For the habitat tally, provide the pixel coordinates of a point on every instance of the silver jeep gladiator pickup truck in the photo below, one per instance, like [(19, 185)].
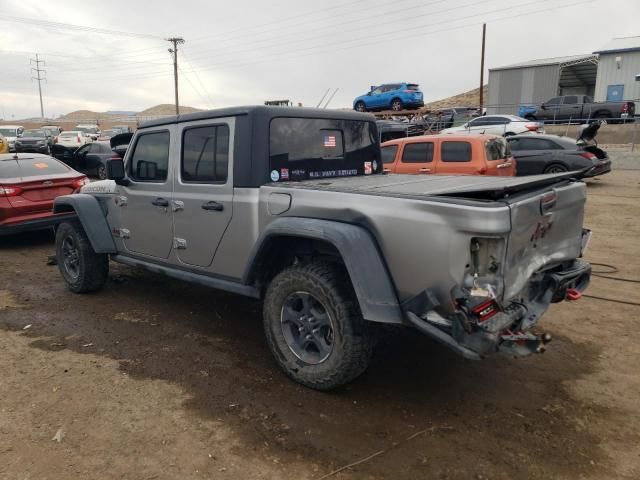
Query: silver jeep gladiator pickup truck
[(291, 205)]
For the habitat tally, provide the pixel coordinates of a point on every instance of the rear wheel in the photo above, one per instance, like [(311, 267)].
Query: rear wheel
[(314, 327), (102, 172), (556, 168), (360, 107), (509, 134), (82, 268), (396, 105)]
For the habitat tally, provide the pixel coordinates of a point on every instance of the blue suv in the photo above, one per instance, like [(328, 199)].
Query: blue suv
[(390, 96)]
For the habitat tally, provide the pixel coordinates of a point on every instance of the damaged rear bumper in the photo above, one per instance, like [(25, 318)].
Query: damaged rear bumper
[(481, 326)]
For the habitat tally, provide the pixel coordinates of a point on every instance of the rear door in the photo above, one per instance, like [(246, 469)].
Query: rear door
[(203, 191), (145, 203), (417, 158), (532, 154), (456, 158), (571, 108)]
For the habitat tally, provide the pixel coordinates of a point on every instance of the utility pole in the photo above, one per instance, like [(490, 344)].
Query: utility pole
[(176, 41), (39, 71), (484, 33)]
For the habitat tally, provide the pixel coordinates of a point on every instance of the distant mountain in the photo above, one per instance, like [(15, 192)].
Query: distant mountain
[(113, 115), (167, 109), (466, 99)]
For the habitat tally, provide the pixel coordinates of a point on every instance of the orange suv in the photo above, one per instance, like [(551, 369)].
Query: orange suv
[(449, 155)]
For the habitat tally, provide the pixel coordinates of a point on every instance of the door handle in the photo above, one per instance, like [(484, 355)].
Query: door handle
[(425, 169), (160, 202), (504, 165), (218, 207)]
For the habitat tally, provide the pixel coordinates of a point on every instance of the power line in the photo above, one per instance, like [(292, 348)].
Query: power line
[(197, 78), (70, 26), (38, 77)]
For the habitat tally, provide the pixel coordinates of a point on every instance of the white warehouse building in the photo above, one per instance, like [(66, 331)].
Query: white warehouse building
[(612, 73)]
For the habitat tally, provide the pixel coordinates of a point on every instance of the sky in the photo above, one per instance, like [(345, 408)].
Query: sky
[(114, 55)]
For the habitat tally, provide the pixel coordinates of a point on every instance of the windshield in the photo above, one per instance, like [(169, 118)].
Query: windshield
[(34, 133), (8, 132)]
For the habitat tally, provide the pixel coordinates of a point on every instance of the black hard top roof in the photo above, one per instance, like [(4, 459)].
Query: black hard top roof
[(263, 111)]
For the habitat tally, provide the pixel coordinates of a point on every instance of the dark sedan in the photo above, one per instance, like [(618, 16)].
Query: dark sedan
[(540, 153), (35, 141)]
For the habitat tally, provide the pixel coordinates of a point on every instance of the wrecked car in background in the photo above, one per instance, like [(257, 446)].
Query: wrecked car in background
[(291, 206)]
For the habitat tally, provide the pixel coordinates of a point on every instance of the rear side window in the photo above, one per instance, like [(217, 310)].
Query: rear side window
[(456, 151), (150, 159), (418, 153), (413, 86), (303, 148), (31, 167), (389, 153), (570, 100), (205, 154)]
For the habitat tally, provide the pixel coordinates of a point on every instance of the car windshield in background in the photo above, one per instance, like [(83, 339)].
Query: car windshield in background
[(497, 149), (69, 134), (87, 129), (303, 148), (31, 167), (8, 132), (34, 133)]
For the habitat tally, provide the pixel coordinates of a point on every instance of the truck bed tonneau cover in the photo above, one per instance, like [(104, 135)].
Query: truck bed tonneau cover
[(399, 185)]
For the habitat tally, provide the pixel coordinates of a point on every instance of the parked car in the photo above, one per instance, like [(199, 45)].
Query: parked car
[(581, 108), (391, 96), (553, 154), (449, 155), (107, 134), (29, 182), (390, 129), (91, 159), (4, 144), (454, 116), (34, 140), (504, 125), (72, 138), (309, 223), (11, 133), (91, 131), (122, 128), (54, 129)]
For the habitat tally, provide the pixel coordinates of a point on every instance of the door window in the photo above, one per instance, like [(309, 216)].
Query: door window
[(554, 101), (150, 158), (389, 153), (418, 153), (205, 154), (537, 144), (456, 151), (570, 100)]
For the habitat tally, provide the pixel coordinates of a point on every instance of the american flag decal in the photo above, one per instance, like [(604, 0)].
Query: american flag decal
[(329, 140)]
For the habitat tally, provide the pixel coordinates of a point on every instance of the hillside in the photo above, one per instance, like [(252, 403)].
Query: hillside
[(470, 98), (166, 109)]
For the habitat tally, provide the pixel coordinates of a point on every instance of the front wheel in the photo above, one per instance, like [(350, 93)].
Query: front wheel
[(102, 172), (360, 107), (81, 267), (314, 327)]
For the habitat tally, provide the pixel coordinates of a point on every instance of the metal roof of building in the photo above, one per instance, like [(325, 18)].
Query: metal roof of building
[(549, 61), (622, 44)]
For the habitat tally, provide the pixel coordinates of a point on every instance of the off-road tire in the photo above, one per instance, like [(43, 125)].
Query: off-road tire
[(92, 267), (352, 343)]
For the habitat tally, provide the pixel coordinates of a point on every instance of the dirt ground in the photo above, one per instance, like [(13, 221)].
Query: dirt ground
[(156, 379)]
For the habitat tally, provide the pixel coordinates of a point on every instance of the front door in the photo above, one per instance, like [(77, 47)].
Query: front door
[(203, 190), (416, 158), (570, 108), (145, 202)]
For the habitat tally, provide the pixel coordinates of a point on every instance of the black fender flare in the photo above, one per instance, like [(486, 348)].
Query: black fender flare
[(92, 218), (368, 272)]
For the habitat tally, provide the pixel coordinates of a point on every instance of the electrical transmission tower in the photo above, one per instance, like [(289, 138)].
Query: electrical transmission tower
[(176, 41), (38, 76)]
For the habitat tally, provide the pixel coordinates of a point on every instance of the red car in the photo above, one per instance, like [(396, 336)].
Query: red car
[(29, 182)]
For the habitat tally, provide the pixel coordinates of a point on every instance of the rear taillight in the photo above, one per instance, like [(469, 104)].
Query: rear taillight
[(80, 182), (625, 108), (486, 310), (115, 156), (588, 156), (532, 127), (78, 138), (9, 191)]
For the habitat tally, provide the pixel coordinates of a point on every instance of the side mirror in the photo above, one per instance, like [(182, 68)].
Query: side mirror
[(116, 172), (543, 106)]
